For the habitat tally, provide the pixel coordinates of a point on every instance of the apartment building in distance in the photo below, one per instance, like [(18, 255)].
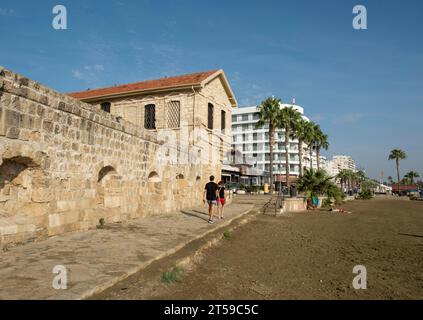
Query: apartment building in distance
[(252, 144), (338, 163)]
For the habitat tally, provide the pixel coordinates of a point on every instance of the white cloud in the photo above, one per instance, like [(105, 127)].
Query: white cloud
[(77, 74), (318, 118), (6, 12), (94, 68), (349, 118), (88, 73)]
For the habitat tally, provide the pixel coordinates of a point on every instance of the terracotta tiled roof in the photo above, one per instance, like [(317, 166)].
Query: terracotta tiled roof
[(163, 83)]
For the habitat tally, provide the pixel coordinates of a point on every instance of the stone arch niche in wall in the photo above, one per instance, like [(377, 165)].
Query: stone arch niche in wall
[(104, 172), (152, 194), (154, 183), (23, 182), (14, 186), (109, 188), (198, 188), (182, 192), (154, 177), (180, 177)]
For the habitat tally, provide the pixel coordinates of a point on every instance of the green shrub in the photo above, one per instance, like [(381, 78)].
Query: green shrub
[(228, 234), (173, 275), (327, 203), (365, 195)]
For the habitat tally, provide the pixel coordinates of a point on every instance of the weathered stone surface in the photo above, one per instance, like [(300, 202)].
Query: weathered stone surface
[(65, 164)]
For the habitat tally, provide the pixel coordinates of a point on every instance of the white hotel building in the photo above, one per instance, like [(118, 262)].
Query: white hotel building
[(339, 163), (253, 144)]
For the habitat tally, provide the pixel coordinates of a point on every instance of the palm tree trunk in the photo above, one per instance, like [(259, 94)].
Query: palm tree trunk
[(300, 153), (271, 138), (287, 159), (398, 174), (318, 157)]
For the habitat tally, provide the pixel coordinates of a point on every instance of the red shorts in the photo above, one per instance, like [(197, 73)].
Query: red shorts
[(222, 201)]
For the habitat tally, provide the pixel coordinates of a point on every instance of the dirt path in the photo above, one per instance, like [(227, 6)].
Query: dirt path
[(306, 256)]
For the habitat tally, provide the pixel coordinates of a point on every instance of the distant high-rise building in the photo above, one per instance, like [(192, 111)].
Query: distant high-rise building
[(253, 144), (338, 163)]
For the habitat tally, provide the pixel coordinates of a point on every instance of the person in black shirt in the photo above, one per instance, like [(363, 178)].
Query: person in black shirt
[(221, 199), (211, 194)]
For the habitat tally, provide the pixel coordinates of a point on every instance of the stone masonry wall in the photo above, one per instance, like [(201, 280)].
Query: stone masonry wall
[(64, 165)]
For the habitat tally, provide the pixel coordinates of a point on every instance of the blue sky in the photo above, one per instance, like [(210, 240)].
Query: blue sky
[(365, 88)]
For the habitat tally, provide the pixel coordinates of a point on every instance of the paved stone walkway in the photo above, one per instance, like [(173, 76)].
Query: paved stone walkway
[(96, 259)]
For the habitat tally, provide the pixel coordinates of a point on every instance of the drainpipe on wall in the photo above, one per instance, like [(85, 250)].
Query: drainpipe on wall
[(193, 116)]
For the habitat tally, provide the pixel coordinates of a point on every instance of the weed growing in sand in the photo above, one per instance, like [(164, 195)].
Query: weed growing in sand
[(173, 275), (228, 235)]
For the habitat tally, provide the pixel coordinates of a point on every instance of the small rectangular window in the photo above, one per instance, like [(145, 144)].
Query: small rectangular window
[(223, 120), (174, 114), (210, 116), (106, 106), (150, 116)]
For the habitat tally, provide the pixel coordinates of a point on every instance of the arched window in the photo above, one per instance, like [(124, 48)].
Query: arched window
[(180, 176), (150, 116), (106, 106)]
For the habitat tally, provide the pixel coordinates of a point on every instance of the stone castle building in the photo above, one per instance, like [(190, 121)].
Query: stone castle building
[(67, 161)]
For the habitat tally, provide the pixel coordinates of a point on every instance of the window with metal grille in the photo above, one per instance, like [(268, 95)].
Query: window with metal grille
[(150, 116), (223, 120), (106, 106), (210, 116), (173, 114)]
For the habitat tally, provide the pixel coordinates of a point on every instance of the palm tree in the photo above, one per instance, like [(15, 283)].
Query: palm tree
[(397, 155), (288, 119), (351, 179), (316, 183), (300, 133), (320, 142), (405, 181), (309, 139), (361, 177), (411, 175), (269, 111), (343, 176)]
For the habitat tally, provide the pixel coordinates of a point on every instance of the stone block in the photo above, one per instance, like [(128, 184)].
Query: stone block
[(112, 201), (12, 133), (65, 205), (7, 227), (42, 195)]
